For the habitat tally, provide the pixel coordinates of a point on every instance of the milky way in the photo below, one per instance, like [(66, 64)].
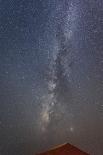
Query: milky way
[(60, 61), (51, 75)]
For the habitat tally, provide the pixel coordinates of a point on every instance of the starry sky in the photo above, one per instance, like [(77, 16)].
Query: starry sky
[(51, 75)]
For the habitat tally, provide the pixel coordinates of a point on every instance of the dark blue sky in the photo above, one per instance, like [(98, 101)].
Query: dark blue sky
[(51, 75)]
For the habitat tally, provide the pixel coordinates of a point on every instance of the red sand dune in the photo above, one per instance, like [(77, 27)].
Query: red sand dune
[(65, 149)]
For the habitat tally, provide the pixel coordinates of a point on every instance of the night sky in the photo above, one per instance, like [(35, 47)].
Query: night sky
[(51, 75)]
